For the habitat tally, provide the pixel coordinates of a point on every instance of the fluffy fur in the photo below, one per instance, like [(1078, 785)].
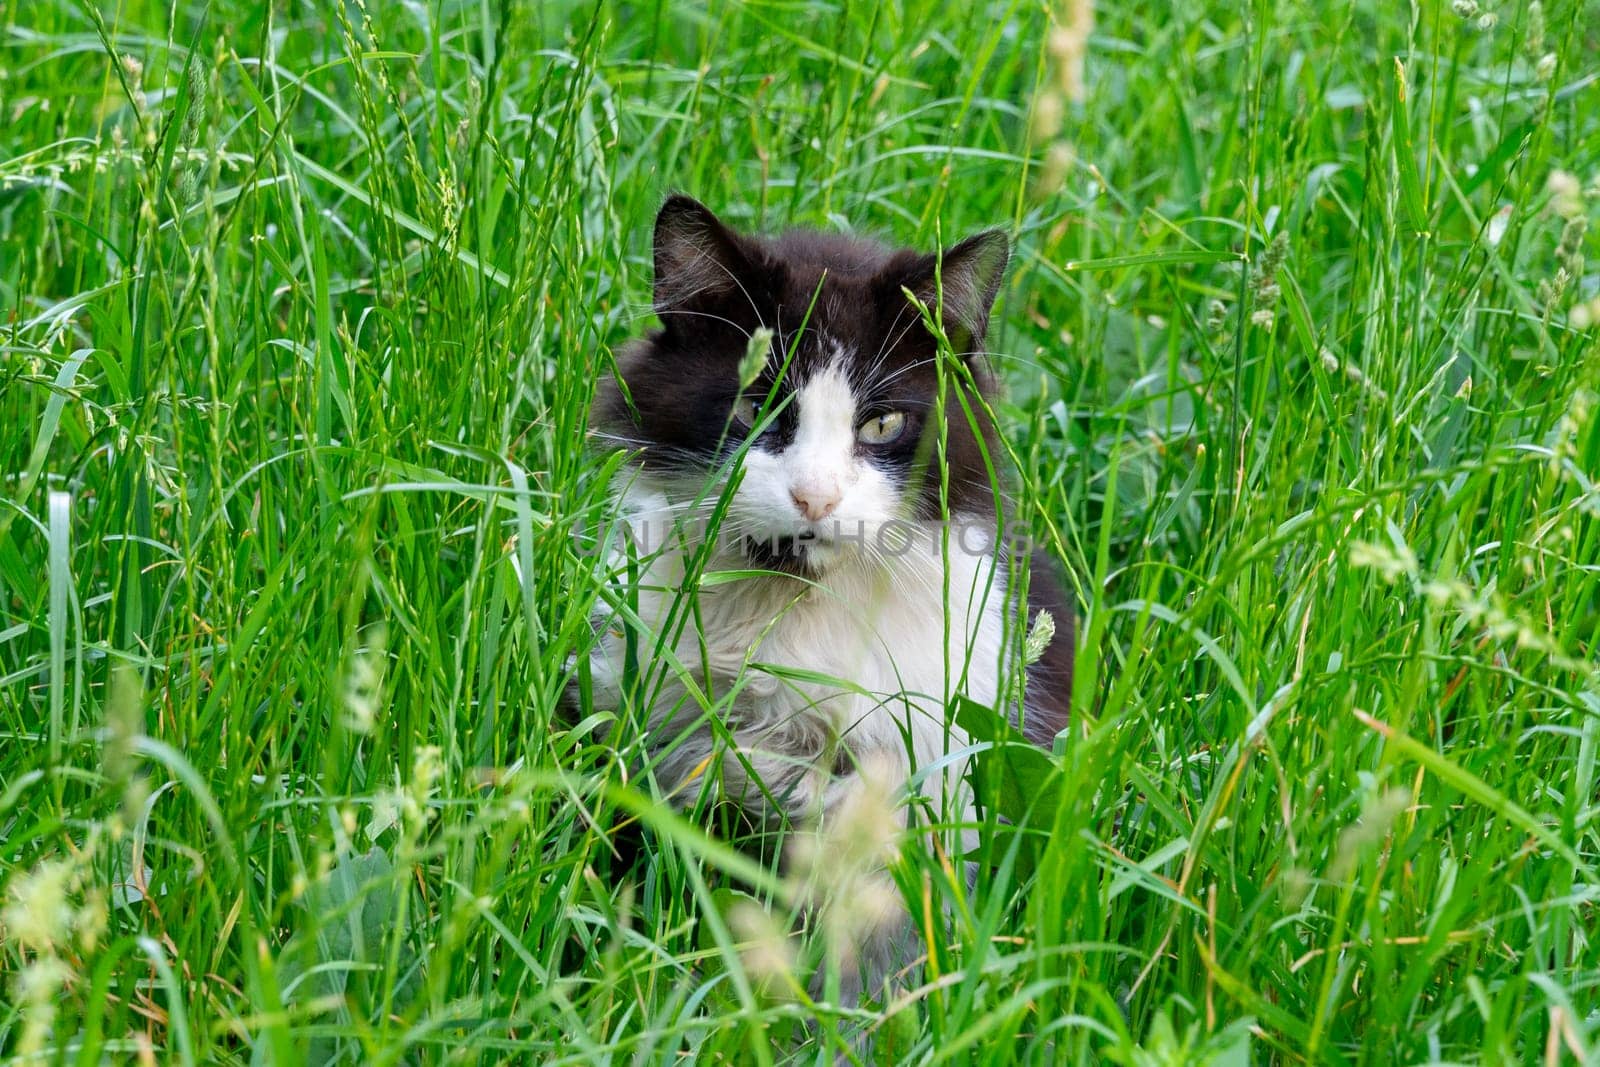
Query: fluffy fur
[(823, 468)]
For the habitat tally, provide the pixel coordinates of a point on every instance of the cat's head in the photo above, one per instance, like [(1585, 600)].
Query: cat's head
[(843, 411)]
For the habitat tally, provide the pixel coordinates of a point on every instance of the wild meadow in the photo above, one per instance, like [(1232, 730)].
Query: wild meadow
[(303, 304)]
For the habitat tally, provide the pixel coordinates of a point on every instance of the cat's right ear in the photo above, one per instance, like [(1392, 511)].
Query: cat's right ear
[(965, 279), (697, 258)]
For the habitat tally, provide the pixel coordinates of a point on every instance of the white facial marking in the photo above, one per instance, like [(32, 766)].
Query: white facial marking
[(821, 459), (815, 486)]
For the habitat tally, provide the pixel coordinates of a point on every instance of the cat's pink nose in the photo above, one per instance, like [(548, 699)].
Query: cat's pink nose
[(814, 502)]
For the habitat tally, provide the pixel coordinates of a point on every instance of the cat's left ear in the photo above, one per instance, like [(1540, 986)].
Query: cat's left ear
[(967, 277), (697, 259)]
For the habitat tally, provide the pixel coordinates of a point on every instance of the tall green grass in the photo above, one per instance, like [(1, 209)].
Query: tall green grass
[(302, 306)]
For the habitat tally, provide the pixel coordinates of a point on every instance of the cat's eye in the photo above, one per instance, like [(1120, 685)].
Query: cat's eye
[(744, 412), (882, 429)]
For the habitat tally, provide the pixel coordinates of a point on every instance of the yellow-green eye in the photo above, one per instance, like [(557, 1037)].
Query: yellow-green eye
[(882, 429), (744, 412)]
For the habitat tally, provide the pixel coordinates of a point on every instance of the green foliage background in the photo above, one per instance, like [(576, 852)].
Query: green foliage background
[(302, 305)]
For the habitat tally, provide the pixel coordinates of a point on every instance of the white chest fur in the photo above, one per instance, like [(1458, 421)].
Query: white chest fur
[(800, 683)]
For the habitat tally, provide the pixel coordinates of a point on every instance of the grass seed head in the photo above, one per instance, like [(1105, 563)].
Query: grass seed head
[(1566, 195), (765, 949), (36, 988), (1039, 637)]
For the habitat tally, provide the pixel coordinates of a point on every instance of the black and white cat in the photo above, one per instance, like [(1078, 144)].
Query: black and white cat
[(818, 461)]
